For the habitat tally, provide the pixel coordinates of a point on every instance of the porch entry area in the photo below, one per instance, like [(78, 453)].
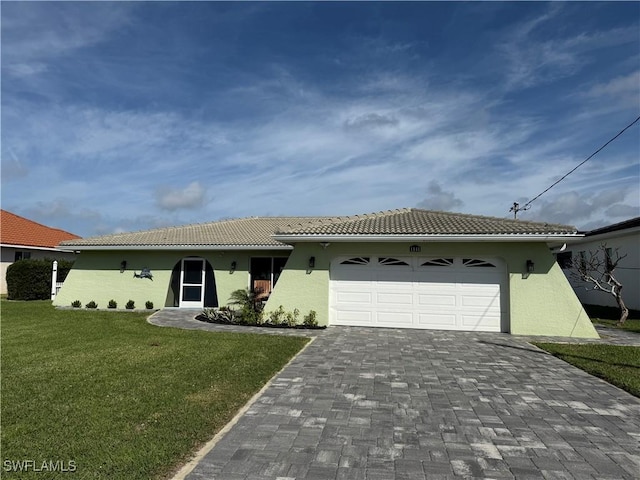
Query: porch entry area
[(264, 273), (192, 284)]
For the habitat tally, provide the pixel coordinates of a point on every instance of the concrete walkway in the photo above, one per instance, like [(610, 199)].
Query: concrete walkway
[(366, 403)]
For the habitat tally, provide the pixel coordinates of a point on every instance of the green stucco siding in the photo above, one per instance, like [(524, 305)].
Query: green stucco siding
[(540, 303), (96, 276)]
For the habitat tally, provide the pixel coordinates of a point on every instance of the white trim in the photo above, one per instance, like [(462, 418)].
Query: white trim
[(30, 247), (180, 247), (515, 237), (192, 304)]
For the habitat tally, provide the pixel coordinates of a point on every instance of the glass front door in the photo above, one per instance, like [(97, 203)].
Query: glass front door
[(192, 283)]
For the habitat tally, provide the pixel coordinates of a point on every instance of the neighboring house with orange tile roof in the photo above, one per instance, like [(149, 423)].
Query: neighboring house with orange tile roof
[(23, 238)]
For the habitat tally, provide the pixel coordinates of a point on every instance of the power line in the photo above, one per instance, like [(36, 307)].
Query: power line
[(516, 207)]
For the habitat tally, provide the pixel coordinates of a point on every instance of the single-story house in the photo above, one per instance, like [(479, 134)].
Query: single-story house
[(623, 237), (407, 268), (21, 238)]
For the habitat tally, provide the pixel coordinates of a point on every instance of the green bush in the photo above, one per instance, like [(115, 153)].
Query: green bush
[(130, 305), (277, 316), (91, 304), (250, 306), (310, 319), (76, 304), (149, 305), (113, 304), (30, 279), (220, 315)]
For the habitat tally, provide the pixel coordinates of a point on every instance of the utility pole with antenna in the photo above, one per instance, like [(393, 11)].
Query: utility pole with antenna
[(516, 208)]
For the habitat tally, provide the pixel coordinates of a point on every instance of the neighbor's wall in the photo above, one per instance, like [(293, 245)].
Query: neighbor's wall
[(542, 303), (96, 276), (627, 272), (8, 254)]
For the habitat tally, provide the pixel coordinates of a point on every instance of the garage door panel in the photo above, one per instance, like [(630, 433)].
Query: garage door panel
[(394, 319), (436, 321), (353, 317), (392, 299), (485, 323), (432, 300), (354, 298), (448, 297)]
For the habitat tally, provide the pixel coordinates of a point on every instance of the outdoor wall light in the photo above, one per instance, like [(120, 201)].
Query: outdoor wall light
[(234, 264), (530, 266), (324, 245), (123, 266), (312, 262)]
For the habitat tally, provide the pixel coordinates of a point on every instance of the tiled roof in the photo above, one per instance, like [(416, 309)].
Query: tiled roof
[(254, 231), (413, 221), (260, 231), (17, 230)]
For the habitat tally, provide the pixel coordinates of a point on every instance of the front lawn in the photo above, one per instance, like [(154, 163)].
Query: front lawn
[(631, 325), (116, 396), (619, 365)]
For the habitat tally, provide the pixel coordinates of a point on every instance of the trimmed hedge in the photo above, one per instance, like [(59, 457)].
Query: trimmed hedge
[(30, 279)]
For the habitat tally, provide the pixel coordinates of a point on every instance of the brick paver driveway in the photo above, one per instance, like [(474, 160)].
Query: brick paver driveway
[(363, 403)]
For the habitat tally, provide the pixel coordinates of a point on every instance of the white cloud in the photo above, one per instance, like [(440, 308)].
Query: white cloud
[(438, 199), (624, 88), (192, 196)]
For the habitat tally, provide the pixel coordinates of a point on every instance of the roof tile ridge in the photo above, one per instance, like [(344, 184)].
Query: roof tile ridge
[(489, 217)]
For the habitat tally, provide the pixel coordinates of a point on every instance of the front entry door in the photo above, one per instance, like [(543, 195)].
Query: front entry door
[(192, 283)]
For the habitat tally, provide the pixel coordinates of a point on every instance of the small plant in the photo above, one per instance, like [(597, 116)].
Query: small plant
[(76, 304), (130, 305), (91, 304), (220, 315), (291, 318), (310, 319), (149, 305), (276, 317), (250, 305), (113, 304)]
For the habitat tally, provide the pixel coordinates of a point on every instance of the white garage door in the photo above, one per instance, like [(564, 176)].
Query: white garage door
[(435, 293)]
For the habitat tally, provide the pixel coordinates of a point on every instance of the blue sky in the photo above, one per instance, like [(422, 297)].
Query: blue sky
[(128, 116)]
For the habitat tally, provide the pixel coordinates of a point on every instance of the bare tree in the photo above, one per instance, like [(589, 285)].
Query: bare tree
[(596, 268)]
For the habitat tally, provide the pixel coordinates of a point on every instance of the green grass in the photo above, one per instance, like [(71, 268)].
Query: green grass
[(631, 325), (618, 365), (119, 397)]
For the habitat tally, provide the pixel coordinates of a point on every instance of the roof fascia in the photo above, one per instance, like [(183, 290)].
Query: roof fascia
[(565, 238), (615, 233), (178, 247), (31, 247)]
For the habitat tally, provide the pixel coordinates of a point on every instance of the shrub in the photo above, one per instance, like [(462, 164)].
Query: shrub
[(310, 319), (76, 304), (113, 304), (276, 317), (220, 315), (250, 306), (291, 318), (130, 305), (30, 279), (91, 304), (149, 305)]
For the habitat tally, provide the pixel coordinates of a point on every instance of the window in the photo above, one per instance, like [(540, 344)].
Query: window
[(438, 262), (564, 259), (265, 272), (474, 262), (22, 256), (356, 261), (392, 261)]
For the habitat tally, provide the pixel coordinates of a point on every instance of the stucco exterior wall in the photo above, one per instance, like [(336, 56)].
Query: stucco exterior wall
[(8, 255), (627, 272), (96, 276), (541, 303)]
